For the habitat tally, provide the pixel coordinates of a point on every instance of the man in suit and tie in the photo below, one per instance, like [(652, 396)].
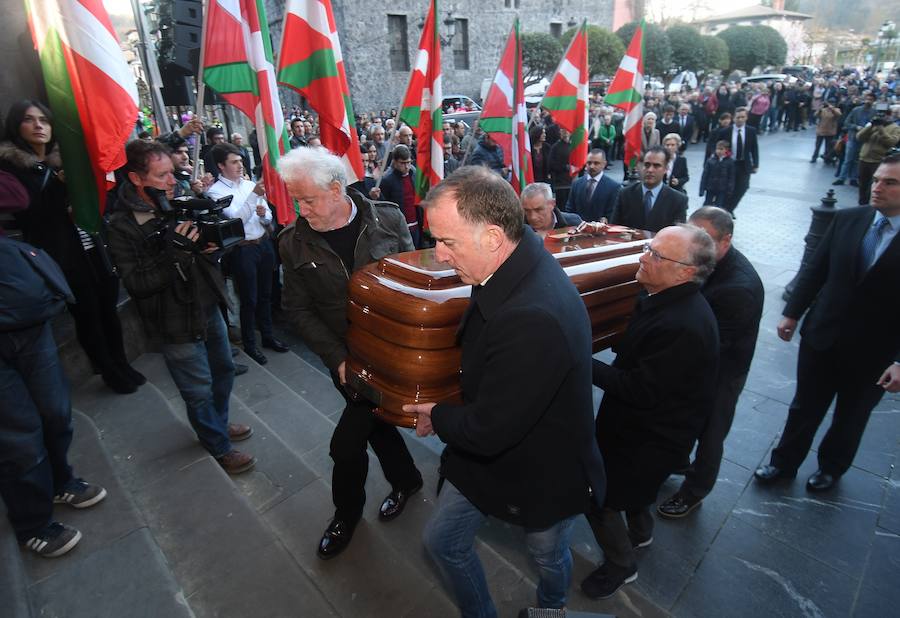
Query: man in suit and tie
[(650, 204), (685, 122), (593, 195), (850, 346), (744, 151)]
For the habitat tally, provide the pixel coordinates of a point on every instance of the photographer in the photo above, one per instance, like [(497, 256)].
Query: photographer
[(176, 286), (829, 120), (877, 137)]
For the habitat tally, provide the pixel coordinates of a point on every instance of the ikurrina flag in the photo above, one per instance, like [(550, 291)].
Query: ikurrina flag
[(92, 94), (421, 108), (238, 64), (567, 98), (504, 116), (312, 64), (625, 92)]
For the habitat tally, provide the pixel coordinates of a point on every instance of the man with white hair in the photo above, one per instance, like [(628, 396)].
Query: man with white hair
[(541, 212), (336, 234)]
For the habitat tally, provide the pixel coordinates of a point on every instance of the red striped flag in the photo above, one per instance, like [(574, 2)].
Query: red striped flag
[(626, 92), (238, 64), (92, 94), (312, 64), (567, 98), (504, 116), (421, 108)]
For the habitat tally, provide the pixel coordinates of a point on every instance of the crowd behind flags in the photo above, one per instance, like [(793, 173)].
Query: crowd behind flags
[(94, 98)]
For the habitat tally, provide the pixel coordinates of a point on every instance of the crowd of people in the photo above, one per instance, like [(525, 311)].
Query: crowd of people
[(531, 452)]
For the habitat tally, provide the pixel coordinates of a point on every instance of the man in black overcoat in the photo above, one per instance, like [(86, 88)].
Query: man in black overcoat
[(657, 395), (519, 446), (650, 204), (850, 346), (735, 295)]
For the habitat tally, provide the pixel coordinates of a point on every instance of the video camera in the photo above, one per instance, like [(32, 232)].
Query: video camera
[(879, 120), (204, 212)]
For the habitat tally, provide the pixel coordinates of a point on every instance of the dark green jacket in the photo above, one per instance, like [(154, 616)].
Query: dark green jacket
[(173, 289), (314, 297)]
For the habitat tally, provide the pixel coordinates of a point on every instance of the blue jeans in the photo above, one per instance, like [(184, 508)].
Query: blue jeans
[(204, 374), (35, 427), (851, 160), (449, 538)]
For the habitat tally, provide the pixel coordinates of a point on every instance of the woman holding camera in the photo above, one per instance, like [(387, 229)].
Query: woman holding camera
[(31, 155)]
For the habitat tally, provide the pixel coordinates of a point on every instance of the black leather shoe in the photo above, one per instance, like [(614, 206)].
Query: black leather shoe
[(335, 540), (395, 502), (256, 355), (274, 344), (770, 474), (821, 481), (240, 369)]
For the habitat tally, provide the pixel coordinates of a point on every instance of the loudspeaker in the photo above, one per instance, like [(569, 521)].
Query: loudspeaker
[(180, 35), (177, 88), (188, 12)]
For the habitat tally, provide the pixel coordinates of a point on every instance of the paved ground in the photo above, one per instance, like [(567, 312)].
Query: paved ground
[(177, 537)]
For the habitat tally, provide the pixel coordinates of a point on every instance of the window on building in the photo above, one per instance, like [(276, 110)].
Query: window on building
[(507, 3), (516, 3), (399, 51), (556, 30), (461, 45)]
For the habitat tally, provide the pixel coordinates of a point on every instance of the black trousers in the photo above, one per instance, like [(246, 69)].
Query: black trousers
[(741, 184), (828, 141), (866, 172), (822, 376), (357, 428), (702, 474), (612, 533), (252, 266), (97, 324)]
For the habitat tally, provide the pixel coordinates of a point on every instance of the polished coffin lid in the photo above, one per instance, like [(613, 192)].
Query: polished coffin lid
[(404, 312)]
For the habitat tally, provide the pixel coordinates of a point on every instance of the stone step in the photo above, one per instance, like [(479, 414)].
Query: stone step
[(98, 577), (224, 556)]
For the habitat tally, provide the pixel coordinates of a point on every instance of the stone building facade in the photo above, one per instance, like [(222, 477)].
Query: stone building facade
[(379, 39)]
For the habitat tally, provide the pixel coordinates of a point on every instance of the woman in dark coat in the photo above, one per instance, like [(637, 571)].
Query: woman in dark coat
[(540, 153), (676, 170), (30, 154)]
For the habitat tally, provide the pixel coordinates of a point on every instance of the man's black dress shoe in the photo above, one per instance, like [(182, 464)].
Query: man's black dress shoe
[(770, 474), (256, 355), (335, 540), (821, 481), (240, 369), (274, 344), (395, 502)]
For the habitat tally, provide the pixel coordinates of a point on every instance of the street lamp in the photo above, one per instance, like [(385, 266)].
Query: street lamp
[(449, 27)]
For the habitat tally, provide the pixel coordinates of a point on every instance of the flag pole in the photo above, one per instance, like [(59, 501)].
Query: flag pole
[(201, 89)]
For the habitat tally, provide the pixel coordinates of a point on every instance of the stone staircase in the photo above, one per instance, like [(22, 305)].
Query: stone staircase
[(179, 537)]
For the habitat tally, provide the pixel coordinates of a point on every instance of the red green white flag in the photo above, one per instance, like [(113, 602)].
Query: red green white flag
[(238, 64), (311, 63), (92, 94), (626, 93), (567, 98), (504, 116), (421, 108)]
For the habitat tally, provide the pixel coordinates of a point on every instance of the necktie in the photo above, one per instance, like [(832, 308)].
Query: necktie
[(648, 203), (870, 243), (740, 146), (592, 184)]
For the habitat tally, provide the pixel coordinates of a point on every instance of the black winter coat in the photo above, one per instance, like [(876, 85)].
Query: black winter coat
[(718, 176), (657, 394)]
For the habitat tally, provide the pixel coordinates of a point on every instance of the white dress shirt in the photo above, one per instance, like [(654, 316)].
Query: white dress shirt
[(243, 205)]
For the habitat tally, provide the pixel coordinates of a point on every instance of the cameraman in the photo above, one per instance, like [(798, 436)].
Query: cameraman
[(877, 137), (177, 287), (252, 262)]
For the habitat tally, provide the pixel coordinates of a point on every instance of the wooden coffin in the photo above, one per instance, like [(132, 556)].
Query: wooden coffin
[(404, 312)]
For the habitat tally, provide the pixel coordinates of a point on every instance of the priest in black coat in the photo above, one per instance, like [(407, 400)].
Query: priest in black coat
[(657, 395)]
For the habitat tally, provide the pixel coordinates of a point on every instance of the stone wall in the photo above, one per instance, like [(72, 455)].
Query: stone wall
[(363, 30)]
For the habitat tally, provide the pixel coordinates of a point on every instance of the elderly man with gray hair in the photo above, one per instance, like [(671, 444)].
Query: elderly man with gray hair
[(657, 395), (335, 235), (541, 212)]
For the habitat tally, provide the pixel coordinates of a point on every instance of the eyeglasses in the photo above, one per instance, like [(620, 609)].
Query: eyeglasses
[(656, 255)]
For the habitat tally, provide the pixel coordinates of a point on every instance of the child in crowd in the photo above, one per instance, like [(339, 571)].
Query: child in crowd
[(718, 176)]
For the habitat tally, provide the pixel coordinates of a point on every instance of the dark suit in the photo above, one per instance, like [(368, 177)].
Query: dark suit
[(735, 295), (657, 395), (565, 219), (679, 171), (849, 337), (670, 208), (520, 448), (601, 202), (686, 131), (743, 166)]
